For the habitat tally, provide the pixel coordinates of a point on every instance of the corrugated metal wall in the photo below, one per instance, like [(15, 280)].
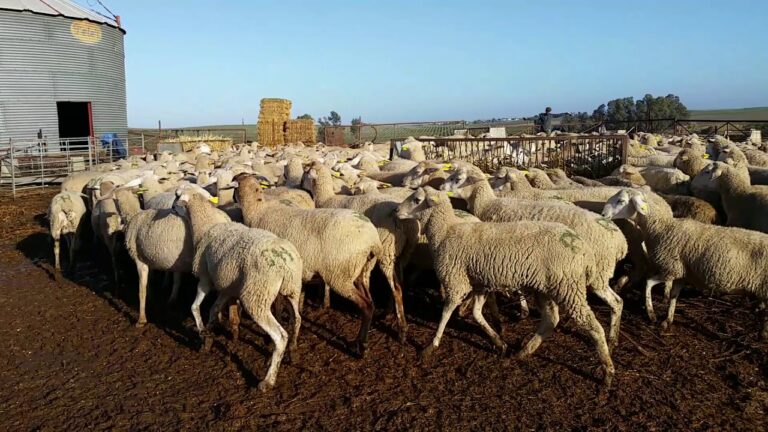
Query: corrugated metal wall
[(42, 63)]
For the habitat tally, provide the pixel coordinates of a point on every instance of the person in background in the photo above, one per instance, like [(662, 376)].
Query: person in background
[(545, 121)]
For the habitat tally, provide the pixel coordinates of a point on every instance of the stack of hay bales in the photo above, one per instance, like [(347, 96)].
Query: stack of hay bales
[(300, 130), (273, 115)]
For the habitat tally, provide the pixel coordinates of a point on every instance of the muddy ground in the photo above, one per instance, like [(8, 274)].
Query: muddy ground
[(71, 359)]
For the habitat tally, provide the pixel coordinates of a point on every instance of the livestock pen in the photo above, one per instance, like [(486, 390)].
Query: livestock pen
[(585, 155)]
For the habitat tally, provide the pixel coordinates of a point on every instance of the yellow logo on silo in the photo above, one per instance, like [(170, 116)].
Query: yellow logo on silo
[(86, 31)]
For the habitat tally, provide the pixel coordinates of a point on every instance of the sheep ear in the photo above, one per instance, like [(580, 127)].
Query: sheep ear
[(640, 205)]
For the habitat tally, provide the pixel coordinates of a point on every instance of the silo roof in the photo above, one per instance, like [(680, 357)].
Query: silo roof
[(57, 8)]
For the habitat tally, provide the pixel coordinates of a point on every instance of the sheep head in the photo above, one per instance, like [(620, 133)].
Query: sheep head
[(626, 204), (462, 181), (417, 205)]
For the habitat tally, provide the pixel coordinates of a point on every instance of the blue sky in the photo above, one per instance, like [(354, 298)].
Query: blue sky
[(196, 62)]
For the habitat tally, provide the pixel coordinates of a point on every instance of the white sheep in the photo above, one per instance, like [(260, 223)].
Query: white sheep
[(474, 258), (604, 239), (248, 264), (711, 258), (65, 215), (339, 245), (746, 206), (156, 239), (380, 210)]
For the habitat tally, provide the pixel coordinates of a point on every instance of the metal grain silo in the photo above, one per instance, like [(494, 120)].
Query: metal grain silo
[(62, 71)]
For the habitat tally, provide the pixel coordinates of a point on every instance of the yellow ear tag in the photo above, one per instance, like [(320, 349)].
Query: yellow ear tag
[(450, 194), (525, 172), (264, 186), (385, 185), (488, 176), (705, 155), (644, 207), (264, 183), (383, 162), (336, 174), (405, 147), (214, 200)]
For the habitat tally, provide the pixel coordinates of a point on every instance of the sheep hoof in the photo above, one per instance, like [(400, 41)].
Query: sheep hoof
[(141, 324), (652, 317), (524, 314), (608, 379), (665, 325), (358, 349), (265, 386), (428, 354), (207, 341), (502, 349)]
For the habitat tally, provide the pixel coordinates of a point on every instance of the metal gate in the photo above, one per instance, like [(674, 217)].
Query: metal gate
[(585, 155)]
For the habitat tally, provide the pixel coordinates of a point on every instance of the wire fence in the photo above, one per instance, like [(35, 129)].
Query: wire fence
[(585, 155), (28, 164), (350, 135)]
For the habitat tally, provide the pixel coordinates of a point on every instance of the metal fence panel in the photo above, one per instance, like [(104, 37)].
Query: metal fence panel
[(585, 155), (26, 164)]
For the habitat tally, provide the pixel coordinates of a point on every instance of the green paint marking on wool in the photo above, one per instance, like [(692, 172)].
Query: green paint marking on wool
[(281, 253), (569, 239), (461, 214), (289, 203), (607, 224), (361, 217)]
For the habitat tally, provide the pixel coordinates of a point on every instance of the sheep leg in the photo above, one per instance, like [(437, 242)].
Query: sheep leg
[(397, 294), (203, 287), (550, 317), (279, 336), (650, 283), (72, 244), (175, 289), (617, 305), (295, 305), (583, 317), (143, 271), (477, 312), (448, 309), (493, 309), (524, 311), (234, 320), (115, 269), (326, 296), (674, 293), (56, 247)]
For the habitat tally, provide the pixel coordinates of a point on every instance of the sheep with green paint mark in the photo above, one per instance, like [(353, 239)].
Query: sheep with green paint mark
[(544, 258), (247, 264)]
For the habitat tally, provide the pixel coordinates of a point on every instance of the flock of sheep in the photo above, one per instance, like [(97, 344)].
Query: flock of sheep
[(255, 225)]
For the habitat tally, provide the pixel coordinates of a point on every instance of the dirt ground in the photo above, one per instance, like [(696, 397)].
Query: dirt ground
[(71, 359)]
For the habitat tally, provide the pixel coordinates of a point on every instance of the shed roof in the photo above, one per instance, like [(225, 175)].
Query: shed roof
[(63, 8)]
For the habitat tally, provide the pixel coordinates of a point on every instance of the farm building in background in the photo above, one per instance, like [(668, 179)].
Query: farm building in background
[(62, 72)]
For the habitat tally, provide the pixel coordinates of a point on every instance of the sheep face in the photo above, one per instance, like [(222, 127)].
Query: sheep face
[(413, 205), (419, 175), (459, 183), (185, 192), (715, 170), (626, 204)]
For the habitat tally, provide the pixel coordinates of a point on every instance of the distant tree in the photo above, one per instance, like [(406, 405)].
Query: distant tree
[(598, 114), (333, 119), (622, 110), (628, 111), (305, 117)]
